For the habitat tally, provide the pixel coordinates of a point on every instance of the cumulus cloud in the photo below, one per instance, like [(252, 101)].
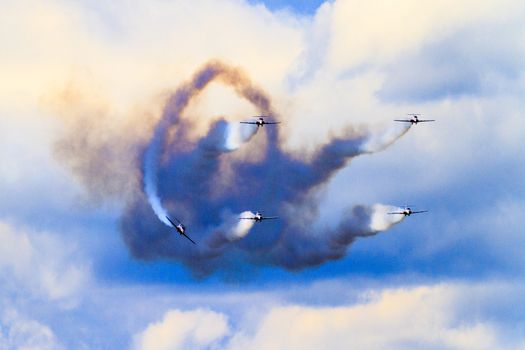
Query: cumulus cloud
[(426, 316), (198, 329), (397, 319)]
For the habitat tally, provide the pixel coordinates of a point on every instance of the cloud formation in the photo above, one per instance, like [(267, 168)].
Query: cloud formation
[(356, 62), (19, 332), (38, 271), (41, 264), (442, 316), (197, 329)]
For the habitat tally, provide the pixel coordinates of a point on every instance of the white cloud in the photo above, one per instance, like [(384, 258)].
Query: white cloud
[(19, 332), (197, 329), (439, 316), (134, 51), (40, 264), (499, 225), (379, 31), (415, 318)]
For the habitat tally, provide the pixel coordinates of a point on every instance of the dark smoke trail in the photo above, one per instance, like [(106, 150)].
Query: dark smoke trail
[(224, 137), (186, 179)]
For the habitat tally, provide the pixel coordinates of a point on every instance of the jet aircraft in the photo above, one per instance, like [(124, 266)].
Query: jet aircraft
[(181, 229), (258, 217), (407, 211), (414, 119), (259, 121)]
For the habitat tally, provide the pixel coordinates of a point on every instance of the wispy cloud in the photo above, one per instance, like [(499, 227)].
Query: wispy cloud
[(19, 332), (40, 263)]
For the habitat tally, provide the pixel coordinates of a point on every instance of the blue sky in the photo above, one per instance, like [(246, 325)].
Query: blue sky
[(307, 7), (85, 84)]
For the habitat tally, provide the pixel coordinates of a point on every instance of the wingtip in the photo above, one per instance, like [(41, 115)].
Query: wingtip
[(191, 240)]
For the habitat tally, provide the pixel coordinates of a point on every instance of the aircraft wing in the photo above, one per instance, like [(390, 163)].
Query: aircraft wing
[(425, 120), (404, 120), (397, 212), (188, 238), (246, 218), (269, 217), (171, 221), (255, 123), (421, 211), (272, 122)]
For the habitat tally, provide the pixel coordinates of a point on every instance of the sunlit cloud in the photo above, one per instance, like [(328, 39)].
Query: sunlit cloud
[(428, 316)]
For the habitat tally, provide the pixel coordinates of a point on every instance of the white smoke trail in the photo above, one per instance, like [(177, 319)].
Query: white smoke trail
[(380, 220), (237, 134), (378, 141), (230, 230), (151, 161), (240, 228)]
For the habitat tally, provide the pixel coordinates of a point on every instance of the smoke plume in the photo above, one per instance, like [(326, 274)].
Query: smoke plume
[(206, 185)]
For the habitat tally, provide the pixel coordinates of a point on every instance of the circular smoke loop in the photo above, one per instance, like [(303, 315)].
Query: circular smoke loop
[(186, 179)]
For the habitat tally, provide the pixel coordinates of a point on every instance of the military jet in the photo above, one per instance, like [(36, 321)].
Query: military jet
[(407, 211), (414, 119), (258, 217), (259, 121), (180, 228)]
